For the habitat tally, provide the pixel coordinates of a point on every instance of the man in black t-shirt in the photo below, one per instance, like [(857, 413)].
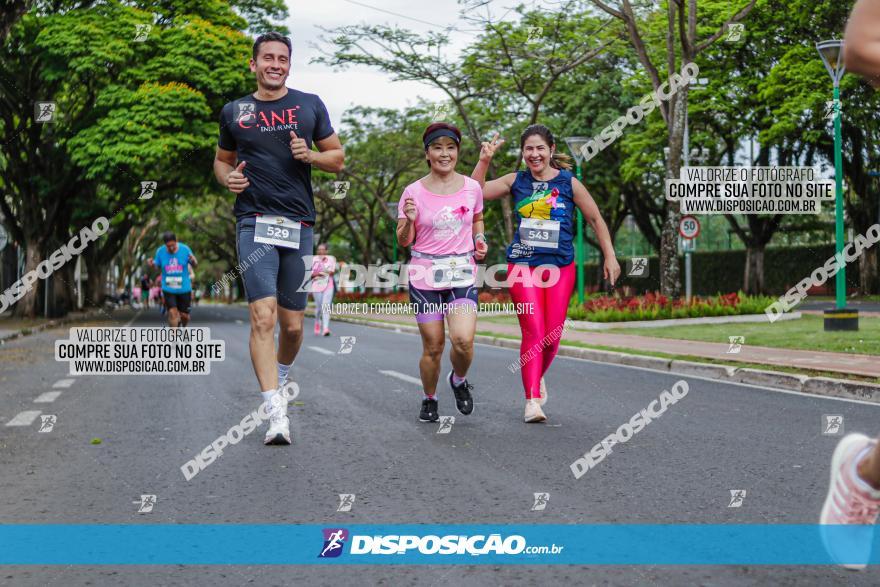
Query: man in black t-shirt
[(265, 156)]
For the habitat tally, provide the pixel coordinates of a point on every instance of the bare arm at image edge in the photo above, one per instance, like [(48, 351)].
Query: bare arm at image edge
[(861, 50)]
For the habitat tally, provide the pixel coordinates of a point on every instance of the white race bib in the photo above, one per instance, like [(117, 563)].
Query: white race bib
[(173, 281), (450, 272), (277, 230), (536, 232)]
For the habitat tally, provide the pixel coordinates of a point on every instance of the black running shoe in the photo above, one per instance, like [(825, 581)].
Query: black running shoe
[(464, 401), (429, 411)]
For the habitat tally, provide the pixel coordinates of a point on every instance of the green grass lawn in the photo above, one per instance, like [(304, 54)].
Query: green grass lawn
[(805, 333), (869, 298), (502, 319)]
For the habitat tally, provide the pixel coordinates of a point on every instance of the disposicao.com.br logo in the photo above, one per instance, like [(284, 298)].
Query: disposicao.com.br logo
[(476, 545)]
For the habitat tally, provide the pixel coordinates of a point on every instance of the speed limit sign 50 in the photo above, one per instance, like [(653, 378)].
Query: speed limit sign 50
[(689, 227)]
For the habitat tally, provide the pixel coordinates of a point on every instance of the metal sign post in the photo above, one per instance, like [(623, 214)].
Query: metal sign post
[(688, 228)]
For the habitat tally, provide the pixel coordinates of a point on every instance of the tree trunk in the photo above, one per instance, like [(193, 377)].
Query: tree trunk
[(670, 278), (94, 294), (27, 305), (63, 296), (753, 277), (869, 281)]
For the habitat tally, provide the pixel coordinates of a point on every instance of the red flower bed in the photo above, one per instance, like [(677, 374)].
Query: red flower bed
[(487, 297), (403, 296), (653, 306), (656, 300)]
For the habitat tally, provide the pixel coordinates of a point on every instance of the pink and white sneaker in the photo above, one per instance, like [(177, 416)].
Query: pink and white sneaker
[(317, 328), (851, 508)]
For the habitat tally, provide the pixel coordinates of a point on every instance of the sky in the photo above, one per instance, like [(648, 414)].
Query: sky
[(365, 86)]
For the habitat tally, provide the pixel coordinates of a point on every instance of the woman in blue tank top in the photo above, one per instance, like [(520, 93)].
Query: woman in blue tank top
[(541, 269)]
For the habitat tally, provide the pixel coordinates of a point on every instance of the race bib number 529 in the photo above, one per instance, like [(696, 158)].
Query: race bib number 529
[(277, 230)]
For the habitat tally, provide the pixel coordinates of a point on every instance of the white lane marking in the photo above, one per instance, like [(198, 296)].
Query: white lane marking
[(239, 322), (401, 376), (47, 397), (318, 349), (133, 318), (63, 383), (25, 418)]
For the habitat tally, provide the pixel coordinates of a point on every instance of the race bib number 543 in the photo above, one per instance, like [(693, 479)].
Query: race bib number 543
[(536, 232)]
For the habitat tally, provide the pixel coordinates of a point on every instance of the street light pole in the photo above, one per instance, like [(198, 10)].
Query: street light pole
[(840, 318), (840, 284), (574, 145), (579, 252), (689, 244)]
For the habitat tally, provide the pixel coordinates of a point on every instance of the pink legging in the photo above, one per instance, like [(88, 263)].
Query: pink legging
[(542, 326)]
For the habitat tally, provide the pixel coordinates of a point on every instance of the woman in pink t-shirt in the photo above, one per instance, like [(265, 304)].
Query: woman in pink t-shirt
[(323, 268), (441, 216)]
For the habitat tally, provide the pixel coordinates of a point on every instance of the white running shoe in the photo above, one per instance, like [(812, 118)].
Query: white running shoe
[(534, 413), (543, 399), (279, 423)]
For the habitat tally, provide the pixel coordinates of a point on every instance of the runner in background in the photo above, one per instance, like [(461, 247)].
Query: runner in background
[(853, 499), (145, 291), (174, 261), (193, 285), (323, 287), (441, 216), (156, 294), (545, 195)]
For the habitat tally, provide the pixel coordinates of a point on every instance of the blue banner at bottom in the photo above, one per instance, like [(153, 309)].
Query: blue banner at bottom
[(624, 544)]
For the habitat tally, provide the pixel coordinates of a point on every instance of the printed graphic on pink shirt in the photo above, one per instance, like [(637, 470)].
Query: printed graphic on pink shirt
[(447, 223), (444, 226), (326, 264)]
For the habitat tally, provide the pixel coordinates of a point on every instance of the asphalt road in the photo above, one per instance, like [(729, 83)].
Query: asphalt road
[(355, 431)]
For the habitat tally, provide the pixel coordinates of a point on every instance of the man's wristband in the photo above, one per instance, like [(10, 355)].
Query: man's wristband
[(480, 236)]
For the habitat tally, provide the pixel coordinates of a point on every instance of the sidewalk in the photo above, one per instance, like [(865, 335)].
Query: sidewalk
[(11, 328), (843, 363)]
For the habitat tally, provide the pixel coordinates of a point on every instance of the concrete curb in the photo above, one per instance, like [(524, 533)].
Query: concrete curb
[(771, 378), (819, 386), (843, 388), (51, 324), (708, 370)]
